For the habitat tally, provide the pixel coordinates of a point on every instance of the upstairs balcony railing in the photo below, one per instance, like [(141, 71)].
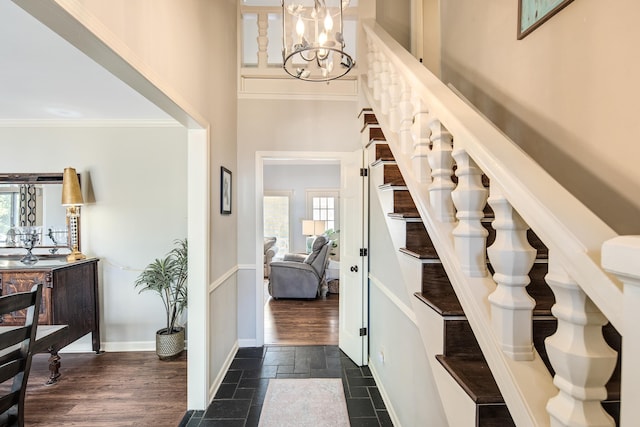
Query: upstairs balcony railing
[(260, 55)]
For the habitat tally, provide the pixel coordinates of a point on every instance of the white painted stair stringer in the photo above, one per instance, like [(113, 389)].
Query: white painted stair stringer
[(458, 406)]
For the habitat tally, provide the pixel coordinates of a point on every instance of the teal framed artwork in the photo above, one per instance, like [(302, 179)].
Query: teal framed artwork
[(533, 13)]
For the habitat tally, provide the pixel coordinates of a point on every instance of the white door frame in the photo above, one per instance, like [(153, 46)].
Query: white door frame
[(261, 156)]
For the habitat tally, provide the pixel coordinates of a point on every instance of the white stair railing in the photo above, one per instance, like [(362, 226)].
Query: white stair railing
[(524, 196)]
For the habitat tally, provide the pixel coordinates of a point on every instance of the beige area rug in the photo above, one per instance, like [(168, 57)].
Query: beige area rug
[(301, 402)]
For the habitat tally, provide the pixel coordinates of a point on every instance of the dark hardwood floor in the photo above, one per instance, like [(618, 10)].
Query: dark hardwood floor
[(301, 322), (110, 389), (137, 389)]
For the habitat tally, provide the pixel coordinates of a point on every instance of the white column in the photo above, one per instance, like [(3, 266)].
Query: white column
[(441, 163), (470, 198), (580, 356), (620, 256), (511, 257)]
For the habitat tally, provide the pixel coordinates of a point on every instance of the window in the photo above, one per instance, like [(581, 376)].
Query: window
[(277, 219), (9, 209), (324, 205)]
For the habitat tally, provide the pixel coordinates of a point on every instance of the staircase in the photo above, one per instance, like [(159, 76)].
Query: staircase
[(462, 357), (517, 317)]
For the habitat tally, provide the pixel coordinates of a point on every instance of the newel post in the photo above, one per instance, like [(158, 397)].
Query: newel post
[(621, 256)]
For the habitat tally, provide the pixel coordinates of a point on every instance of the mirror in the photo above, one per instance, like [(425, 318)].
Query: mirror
[(31, 204)]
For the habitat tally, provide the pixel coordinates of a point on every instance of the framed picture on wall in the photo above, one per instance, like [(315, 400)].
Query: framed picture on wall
[(533, 13), (225, 191)]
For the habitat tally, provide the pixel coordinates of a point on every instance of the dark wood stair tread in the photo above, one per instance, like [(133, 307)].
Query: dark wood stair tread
[(423, 252), (368, 119), (378, 162), (405, 215), (394, 187), (475, 378), (444, 304), (437, 292)]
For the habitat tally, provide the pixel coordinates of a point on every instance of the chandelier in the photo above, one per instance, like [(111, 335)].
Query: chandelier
[(313, 40)]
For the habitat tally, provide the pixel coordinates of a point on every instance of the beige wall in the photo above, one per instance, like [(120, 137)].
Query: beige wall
[(567, 93), (182, 42), (126, 222), (431, 35), (395, 17)]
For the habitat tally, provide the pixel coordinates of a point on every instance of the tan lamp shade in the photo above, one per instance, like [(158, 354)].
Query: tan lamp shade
[(319, 227), (307, 227), (71, 194), (313, 227)]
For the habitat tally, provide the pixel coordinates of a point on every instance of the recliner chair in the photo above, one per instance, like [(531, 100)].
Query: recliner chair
[(299, 276)]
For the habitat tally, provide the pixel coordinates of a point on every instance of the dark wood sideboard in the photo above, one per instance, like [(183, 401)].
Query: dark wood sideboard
[(69, 297)]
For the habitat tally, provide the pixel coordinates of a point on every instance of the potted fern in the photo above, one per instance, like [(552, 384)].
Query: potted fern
[(168, 277)]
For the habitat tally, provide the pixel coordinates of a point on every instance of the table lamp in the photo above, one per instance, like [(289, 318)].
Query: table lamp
[(72, 199), (311, 229)]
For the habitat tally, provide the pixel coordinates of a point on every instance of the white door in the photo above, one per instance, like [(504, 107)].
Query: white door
[(354, 295)]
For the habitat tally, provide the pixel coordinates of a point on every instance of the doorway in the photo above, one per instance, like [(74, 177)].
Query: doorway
[(297, 190)]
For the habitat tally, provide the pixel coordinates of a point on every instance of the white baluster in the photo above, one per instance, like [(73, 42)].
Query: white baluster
[(263, 39), (469, 198), (580, 356), (406, 121), (441, 163), (405, 109), (385, 81), (394, 96), (371, 57), (511, 257), (420, 135), (377, 70)]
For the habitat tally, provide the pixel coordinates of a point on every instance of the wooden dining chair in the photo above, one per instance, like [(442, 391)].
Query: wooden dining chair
[(15, 354)]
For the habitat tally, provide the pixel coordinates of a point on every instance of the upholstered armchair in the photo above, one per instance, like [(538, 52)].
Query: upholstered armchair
[(270, 251), (301, 276)]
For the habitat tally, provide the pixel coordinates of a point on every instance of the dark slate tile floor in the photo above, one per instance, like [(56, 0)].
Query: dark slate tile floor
[(239, 399)]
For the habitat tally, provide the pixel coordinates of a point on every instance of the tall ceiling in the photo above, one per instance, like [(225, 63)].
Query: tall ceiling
[(43, 77)]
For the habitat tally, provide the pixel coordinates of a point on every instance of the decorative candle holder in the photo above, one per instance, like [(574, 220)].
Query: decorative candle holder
[(29, 237)]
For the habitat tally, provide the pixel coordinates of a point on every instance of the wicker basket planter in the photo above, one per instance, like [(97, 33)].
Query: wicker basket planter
[(169, 346)]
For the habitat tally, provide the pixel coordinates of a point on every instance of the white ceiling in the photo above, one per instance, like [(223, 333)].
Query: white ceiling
[(43, 77)]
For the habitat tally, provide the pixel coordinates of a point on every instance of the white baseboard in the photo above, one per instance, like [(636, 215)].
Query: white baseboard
[(125, 346), (223, 371), (385, 396), (84, 346)]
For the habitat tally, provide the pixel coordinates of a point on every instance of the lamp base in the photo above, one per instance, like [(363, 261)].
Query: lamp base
[(309, 242), (76, 255)]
